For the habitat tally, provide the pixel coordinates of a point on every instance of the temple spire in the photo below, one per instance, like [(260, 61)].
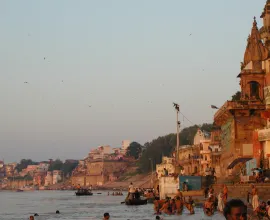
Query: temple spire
[(255, 52)]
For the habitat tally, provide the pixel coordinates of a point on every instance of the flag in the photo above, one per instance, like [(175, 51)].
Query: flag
[(214, 107)]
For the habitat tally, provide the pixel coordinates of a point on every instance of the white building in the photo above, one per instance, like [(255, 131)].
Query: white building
[(57, 176), (49, 179)]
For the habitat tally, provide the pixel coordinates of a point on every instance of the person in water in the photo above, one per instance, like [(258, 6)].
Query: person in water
[(106, 216), (57, 212), (31, 217), (235, 209)]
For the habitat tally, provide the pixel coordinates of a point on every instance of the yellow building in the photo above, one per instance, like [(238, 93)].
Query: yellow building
[(168, 164)]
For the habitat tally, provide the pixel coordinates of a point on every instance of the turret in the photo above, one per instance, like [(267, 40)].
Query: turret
[(265, 30)]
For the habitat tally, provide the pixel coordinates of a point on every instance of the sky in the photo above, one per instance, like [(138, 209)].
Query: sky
[(100, 72)]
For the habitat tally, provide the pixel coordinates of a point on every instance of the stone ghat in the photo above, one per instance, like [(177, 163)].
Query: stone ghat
[(240, 190)]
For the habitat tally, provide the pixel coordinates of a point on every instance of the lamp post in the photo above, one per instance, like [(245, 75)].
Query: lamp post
[(151, 172), (177, 108)]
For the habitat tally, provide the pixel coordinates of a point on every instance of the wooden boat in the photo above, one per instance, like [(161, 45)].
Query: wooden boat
[(136, 202), (19, 190), (83, 193), (151, 200)]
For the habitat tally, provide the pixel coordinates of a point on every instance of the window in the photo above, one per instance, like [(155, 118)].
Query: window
[(254, 89)]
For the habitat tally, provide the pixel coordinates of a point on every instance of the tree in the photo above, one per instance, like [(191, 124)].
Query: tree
[(68, 167), (134, 150), (56, 165), (24, 163), (165, 145), (236, 96)]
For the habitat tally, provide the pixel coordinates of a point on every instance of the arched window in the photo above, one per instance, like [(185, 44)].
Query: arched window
[(254, 89)]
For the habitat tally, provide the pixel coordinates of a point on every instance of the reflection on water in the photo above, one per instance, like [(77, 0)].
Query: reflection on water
[(20, 205)]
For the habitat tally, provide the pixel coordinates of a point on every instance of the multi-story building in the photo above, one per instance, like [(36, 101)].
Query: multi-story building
[(168, 164), (239, 118)]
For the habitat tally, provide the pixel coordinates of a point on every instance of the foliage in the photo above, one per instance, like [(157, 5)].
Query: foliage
[(236, 96), (56, 165), (134, 150), (24, 163), (66, 167), (165, 145)]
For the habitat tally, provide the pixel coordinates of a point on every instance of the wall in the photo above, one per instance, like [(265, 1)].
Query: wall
[(19, 183), (168, 186), (240, 191)]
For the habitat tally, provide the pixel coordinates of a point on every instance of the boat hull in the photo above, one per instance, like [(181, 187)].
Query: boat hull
[(136, 202)]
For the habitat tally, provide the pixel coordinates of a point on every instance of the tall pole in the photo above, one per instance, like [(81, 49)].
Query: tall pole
[(152, 172), (177, 108)]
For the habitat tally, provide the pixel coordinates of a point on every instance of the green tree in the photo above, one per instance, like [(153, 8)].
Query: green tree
[(165, 145), (68, 167), (24, 163), (134, 150), (236, 96), (56, 165)]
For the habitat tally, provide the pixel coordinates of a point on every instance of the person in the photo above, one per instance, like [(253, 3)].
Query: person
[(108, 193), (183, 172), (261, 210), (185, 186), (90, 188), (255, 198), (208, 207), (268, 208), (31, 217), (220, 202), (173, 206), (165, 208), (207, 170), (57, 212), (179, 204), (235, 209), (213, 171), (106, 216), (190, 205), (137, 194), (225, 193)]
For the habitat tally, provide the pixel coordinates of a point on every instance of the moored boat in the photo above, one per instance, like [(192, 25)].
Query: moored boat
[(84, 192), (136, 202)]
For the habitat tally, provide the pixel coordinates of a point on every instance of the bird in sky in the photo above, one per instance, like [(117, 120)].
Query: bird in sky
[(89, 106), (26, 82), (44, 58), (190, 34)]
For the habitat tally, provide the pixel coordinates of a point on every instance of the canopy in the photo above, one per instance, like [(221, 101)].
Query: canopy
[(239, 160)]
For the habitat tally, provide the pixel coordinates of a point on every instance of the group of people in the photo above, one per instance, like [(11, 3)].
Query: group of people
[(174, 206), (116, 193), (32, 217)]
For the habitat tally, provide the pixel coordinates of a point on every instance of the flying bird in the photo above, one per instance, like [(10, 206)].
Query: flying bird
[(89, 106), (26, 82), (214, 107), (190, 34), (44, 58)]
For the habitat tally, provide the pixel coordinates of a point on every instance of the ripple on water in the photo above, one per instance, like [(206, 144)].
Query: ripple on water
[(15, 206)]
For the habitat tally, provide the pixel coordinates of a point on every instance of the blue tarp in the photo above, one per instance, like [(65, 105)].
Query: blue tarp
[(193, 182)]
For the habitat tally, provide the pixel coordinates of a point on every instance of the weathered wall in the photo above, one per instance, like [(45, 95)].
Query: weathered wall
[(168, 186), (19, 183), (240, 191)]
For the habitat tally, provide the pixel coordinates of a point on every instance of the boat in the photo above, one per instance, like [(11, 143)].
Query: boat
[(151, 200), (84, 192), (136, 202), (19, 190)]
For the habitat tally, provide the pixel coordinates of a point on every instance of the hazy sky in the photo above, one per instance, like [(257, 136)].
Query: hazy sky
[(129, 60)]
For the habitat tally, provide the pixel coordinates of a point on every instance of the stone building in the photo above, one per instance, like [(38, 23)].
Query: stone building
[(168, 164), (239, 118)]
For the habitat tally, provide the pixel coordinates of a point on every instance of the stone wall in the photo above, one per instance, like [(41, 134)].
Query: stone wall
[(16, 184), (240, 190)]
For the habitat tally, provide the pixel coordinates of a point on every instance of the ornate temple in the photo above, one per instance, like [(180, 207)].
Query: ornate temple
[(243, 120)]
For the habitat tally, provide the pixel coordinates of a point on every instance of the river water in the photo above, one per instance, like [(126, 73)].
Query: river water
[(20, 205)]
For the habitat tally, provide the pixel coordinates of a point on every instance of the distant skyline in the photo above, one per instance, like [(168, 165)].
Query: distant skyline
[(99, 72)]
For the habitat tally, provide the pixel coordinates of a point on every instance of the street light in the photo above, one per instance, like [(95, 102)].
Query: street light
[(177, 108), (151, 172)]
